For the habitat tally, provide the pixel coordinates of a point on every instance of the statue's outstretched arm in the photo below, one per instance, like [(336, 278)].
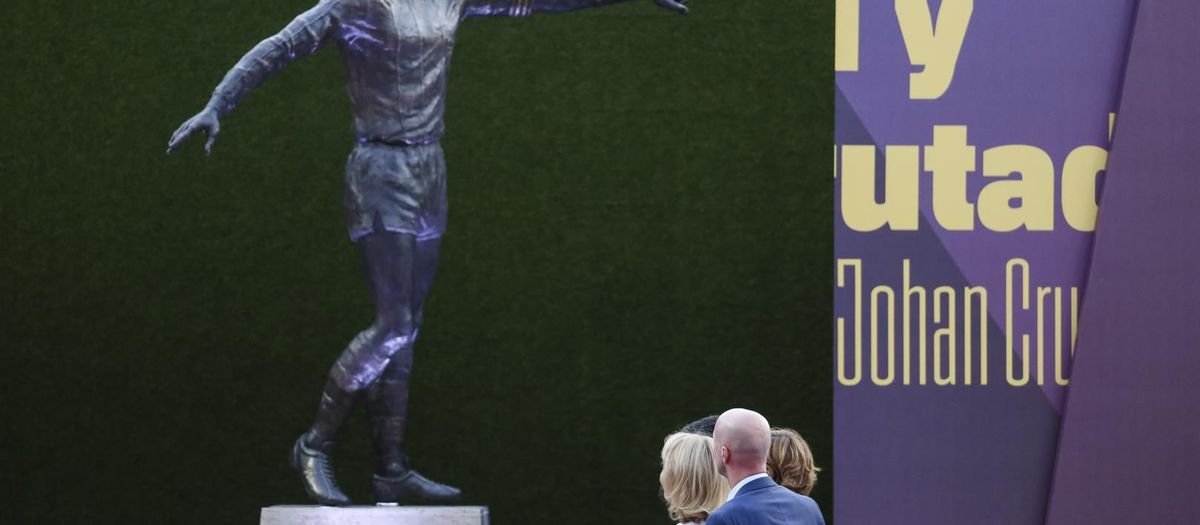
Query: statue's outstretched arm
[(526, 7), (302, 37)]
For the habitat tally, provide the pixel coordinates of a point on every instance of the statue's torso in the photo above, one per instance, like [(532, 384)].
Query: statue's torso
[(397, 56)]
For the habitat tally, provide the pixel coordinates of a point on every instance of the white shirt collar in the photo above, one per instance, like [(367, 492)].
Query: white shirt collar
[(733, 492)]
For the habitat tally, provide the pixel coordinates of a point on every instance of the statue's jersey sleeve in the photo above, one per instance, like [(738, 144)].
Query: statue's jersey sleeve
[(302, 37), (472, 8)]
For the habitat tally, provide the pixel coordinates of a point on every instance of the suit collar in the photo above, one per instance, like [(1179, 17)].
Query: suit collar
[(750, 484), (757, 485)]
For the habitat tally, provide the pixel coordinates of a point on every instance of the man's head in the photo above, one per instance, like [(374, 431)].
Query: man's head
[(741, 440), (703, 426)]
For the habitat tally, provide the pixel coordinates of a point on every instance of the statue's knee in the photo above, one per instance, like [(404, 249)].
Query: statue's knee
[(372, 351), (393, 325), (397, 344), (362, 362), (347, 379)]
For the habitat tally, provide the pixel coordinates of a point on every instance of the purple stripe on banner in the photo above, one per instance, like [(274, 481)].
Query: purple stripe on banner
[(1130, 442), (971, 138)]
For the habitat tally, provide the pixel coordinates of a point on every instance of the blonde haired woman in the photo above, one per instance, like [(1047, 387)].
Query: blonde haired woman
[(690, 483), (790, 461)]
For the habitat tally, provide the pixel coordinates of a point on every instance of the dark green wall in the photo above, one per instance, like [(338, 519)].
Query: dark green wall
[(640, 234)]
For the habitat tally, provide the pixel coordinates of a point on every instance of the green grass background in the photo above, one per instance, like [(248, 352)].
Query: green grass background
[(640, 234)]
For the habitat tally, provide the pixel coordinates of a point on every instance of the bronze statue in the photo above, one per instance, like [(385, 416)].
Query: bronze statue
[(396, 53)]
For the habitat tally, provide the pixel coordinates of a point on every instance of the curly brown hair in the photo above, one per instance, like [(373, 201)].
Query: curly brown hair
[(790, 461)]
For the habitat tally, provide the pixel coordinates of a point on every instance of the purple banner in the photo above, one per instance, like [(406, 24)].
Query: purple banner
[(1130, 444), (971, 143)]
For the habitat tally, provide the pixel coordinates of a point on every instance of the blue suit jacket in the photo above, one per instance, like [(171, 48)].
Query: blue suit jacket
[(763, 502)]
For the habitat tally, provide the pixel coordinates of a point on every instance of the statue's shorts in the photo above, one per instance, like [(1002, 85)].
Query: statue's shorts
[(396, 188)]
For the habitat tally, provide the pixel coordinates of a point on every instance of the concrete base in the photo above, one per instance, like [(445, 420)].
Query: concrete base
[(362, 515)]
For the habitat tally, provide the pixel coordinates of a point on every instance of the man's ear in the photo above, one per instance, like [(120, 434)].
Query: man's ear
[(725, 455)]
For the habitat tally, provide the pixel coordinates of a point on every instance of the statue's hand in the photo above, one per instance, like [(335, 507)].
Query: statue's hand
[(206, 121), (679, 6)]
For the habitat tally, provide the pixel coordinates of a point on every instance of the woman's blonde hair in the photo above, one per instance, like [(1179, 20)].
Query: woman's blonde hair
[(691, 485), (790, 462)]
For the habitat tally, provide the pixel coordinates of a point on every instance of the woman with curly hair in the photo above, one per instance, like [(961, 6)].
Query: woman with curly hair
[(790, 461)]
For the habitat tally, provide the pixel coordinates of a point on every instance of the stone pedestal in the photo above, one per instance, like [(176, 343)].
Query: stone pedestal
[(314, 515)]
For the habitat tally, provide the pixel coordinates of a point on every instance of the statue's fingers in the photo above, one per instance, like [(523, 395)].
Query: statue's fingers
[(181, 133), (174, 138), (178, 137), (212, 139)]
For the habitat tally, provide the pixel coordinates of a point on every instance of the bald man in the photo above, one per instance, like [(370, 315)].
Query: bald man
[(741, 439)]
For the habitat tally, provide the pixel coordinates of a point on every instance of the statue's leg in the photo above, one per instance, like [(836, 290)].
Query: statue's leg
[(387, 398), (389, 260), (387, 406)]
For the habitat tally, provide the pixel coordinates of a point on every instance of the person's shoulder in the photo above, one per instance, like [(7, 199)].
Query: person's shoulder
[(808, 506), (728, 512), (719, 516), (798, 504), (798, 497), (810, 503)]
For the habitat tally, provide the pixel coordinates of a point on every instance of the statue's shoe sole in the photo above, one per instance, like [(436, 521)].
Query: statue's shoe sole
[(390, 496)]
